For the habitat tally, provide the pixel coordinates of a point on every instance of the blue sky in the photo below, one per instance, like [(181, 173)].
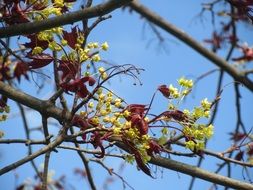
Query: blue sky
[(128, 42)]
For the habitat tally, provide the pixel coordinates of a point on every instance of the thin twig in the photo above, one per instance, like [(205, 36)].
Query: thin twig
[(47, 155), (86, 164), (27, 133), (110, 171), (27, 142)]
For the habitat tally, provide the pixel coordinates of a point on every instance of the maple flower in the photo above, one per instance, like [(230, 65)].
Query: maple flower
[(37, 50), (105, 46), (96, 58), (185, 82), (59, 3), (205, 104), (174, 91)]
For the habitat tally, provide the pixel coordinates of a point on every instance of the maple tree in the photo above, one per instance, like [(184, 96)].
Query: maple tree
[(91, 117)]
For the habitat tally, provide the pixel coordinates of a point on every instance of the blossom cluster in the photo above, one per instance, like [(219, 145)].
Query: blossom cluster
[(194, 133)]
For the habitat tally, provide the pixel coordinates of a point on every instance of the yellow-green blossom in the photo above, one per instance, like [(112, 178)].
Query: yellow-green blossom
[(174, 91), (185, 82), (96, 58), (205, 104), (37, 50), (190, 145), (105, 46)]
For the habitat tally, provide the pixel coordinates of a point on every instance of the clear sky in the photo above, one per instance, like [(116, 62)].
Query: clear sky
[(132, 41)]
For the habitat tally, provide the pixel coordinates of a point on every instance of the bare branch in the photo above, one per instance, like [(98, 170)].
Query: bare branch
[(196, 171), (69, 18), (184, 37), (27, 142), (47, 155), (200, 173)]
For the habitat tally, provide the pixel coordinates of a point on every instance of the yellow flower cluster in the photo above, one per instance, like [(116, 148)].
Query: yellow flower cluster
[(199, 131), (164, 137), (195, 146), (102, 72), (129, 158), (197, 134), (141, 143), (48, 35), (59, 3), (110, 113), (37, 50), (185, 82), (203, 110), (174, 91), (178, 94)]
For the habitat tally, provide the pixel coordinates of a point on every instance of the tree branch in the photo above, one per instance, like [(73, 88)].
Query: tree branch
[(184, 37), (159, 161), (27, 142), (41, 106), (200, 173), (47, 155), (195, 171), (26, 159), (69, 18)]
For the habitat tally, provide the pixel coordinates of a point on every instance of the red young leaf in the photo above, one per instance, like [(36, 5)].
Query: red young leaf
[(21, 68), (140, 123), (80, 122), (141, 165), (40, 60), (96, 141), (244, 9), (164, 90), (175, 114), (91, 81), (69, 69), (154, 147), (138, 109), (71, 37), (77, 86), (13, 14)]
